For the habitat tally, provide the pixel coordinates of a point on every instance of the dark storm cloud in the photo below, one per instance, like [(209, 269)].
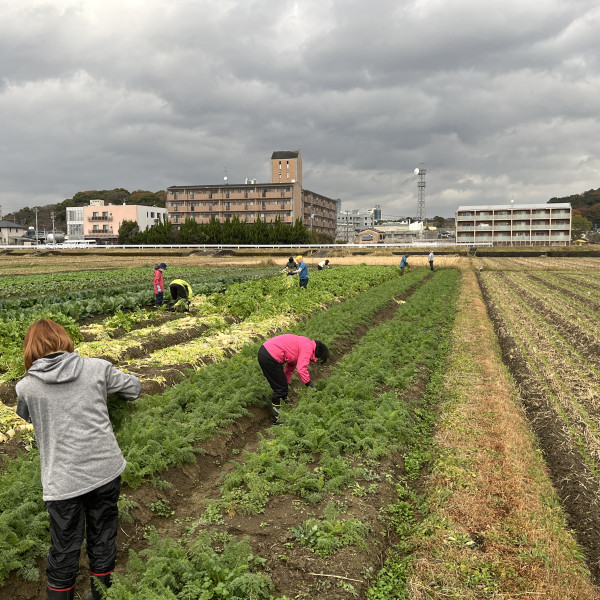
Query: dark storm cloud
[(498, 99)]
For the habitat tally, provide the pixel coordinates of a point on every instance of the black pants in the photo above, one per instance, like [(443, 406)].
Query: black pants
[(178, 292), (431, 264), (273, 371), (94, 513)]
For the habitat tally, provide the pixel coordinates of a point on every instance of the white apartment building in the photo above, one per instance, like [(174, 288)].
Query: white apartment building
[(351, 221), (514, 225)]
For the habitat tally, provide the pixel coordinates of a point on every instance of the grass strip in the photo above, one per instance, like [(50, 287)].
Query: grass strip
[(493, 527)]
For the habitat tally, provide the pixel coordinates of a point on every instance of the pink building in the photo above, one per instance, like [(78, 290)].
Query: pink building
[(102, 223)]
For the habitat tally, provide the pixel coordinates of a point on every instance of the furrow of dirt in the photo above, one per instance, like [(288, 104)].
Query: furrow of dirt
[(576, 484), (568, 290)]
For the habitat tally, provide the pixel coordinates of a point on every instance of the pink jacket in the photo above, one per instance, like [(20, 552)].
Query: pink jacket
[(158, 281), (295, 351)]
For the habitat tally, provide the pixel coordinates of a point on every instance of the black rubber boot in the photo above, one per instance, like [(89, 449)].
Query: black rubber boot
[(54, 594), (105, 580)]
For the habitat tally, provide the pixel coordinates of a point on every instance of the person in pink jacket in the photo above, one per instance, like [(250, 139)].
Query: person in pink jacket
[(296, 353), (159, 284)]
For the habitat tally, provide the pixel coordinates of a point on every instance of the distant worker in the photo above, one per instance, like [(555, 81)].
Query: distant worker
[(291, 266), (181, 290), (431, 259), (324, 264), (159, 284), (302, 271), (296, 352), (403, 263)]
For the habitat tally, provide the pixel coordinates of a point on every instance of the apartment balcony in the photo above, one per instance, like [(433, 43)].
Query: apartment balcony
[(100, 218)]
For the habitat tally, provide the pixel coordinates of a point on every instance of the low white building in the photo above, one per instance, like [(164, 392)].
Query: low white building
[(514, 224)]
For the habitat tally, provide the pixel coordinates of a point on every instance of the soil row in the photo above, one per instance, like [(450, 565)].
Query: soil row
[(547, 382)]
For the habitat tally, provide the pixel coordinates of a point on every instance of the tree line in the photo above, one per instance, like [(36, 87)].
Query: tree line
[(231, 231)]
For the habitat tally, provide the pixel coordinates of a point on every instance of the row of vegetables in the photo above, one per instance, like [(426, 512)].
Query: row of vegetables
[(93, 293), (332, 441), (163, 430)]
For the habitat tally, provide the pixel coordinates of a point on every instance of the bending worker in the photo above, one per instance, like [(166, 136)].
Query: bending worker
[(296, 352), (291, 266), (181, 290)]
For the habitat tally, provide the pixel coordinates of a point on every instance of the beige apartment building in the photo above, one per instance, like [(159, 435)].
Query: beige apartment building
[(283, 197), (515, 224)]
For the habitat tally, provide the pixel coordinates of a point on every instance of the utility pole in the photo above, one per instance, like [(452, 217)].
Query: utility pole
[(52, 217), (35, 210)]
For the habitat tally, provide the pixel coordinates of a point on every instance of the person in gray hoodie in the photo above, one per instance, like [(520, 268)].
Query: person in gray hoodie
[(65, 397)]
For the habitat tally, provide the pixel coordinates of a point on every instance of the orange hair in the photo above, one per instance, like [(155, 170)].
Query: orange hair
[(45, 337)]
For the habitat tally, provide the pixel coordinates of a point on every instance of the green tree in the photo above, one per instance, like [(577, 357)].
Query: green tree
[(438, 222), (127, 232), (579, 226), (189, 232)]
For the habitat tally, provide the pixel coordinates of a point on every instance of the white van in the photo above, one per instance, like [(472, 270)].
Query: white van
[(79, 244)]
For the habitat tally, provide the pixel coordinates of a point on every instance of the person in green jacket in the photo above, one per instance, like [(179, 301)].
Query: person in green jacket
[(181, 290)]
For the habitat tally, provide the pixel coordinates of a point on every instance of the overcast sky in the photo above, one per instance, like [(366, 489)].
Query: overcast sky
[(498, 100)]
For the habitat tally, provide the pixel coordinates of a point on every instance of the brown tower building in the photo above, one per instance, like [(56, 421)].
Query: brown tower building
[(282, 198), (286, 167)]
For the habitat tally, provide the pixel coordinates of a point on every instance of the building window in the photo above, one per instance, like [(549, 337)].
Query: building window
[(227, 194), (191, 195), (174, 195), (192, 207), (264, 193)]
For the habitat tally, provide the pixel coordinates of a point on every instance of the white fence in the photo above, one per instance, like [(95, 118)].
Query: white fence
[(217, 247)]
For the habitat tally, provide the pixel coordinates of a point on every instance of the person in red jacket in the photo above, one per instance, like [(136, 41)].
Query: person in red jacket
[(159, 284), (296, 352)]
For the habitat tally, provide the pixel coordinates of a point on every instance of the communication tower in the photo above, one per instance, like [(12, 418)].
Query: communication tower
[(421, 172)]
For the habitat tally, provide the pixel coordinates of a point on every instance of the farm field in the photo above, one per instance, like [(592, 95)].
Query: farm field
[(410, 473)]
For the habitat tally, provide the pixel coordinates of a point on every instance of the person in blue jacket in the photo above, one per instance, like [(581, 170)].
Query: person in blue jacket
[(302, 271), (403, 263)]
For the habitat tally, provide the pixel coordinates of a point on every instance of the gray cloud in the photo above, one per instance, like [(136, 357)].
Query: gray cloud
[(498, 100)]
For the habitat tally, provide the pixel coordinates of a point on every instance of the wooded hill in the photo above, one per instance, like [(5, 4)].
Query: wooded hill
[(26, 216), (586, 204)]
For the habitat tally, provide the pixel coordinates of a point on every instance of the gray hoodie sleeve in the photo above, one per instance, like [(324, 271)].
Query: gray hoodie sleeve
[(126, 385), (23, 410)]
